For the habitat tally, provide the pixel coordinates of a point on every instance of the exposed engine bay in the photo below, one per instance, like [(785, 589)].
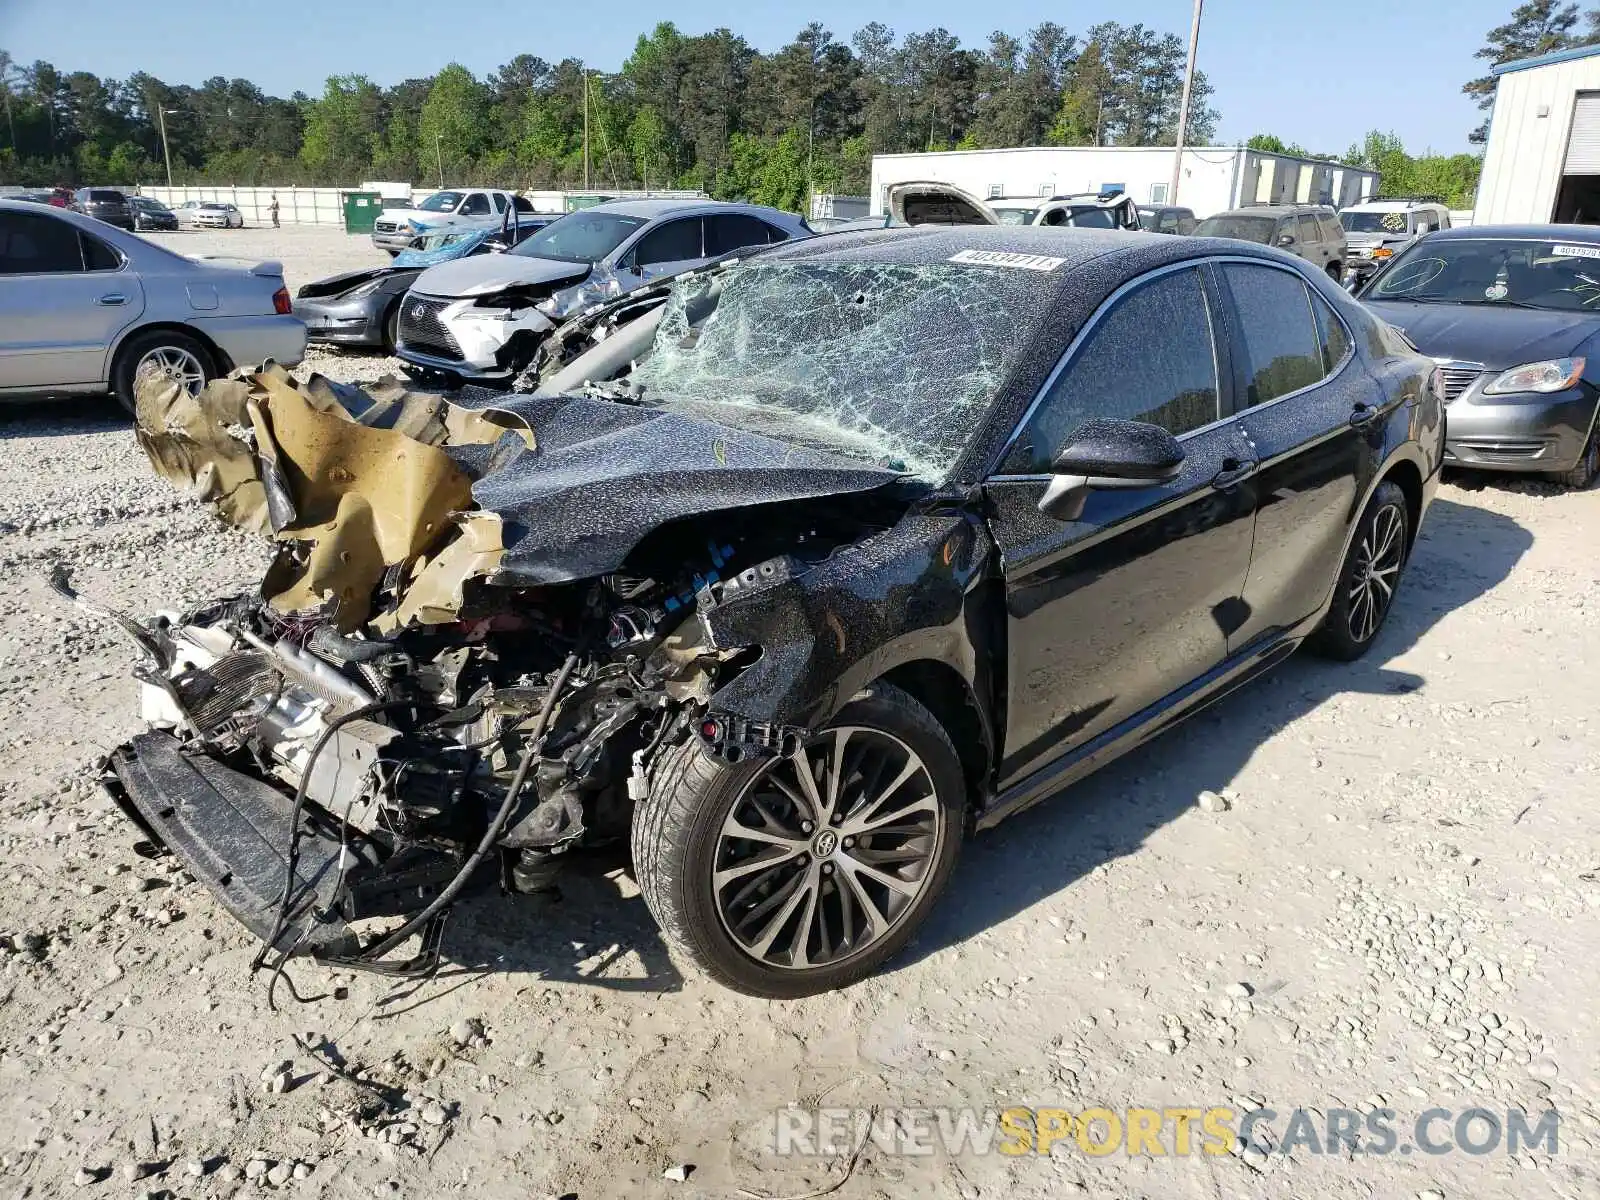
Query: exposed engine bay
[(472, 641)]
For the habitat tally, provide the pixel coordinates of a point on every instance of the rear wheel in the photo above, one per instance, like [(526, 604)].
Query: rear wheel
[(180, 357), (1582, 475), (1368, 579), (791, 876)]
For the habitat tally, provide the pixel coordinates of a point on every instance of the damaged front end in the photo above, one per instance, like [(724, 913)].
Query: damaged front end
[(479, 627)]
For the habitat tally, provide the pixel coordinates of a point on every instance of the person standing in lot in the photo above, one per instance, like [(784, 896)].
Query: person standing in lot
[(273, 209)]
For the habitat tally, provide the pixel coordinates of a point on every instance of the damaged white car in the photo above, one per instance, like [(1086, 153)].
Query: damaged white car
[(482, 319)]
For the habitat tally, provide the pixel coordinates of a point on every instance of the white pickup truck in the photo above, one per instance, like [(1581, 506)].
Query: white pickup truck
[(397, 228)]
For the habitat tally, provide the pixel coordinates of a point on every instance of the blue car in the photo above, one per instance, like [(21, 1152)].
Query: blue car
[(361, 309)]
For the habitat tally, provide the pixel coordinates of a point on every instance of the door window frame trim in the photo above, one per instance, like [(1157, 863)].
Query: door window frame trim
[(1221, 348)]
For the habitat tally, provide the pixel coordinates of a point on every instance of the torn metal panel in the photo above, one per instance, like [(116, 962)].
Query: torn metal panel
[(435, 593), (605, 475)]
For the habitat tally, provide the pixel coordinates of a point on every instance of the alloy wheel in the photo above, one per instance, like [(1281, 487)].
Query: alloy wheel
[(1376, 571), (824, 853), (176, 364)]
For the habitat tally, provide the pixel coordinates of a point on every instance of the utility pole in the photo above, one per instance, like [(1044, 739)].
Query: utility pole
[(161, 116), (1183, 105), (438, 155), (586, 129)]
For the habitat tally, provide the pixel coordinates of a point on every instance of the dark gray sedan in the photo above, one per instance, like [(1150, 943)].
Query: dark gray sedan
[(1512, 316)]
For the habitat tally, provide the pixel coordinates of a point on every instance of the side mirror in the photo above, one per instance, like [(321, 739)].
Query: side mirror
[(1424, 227), (1286, 239), (1106, 454), (495, 246)]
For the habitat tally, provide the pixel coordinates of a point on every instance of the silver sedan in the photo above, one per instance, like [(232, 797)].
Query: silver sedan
[(85, 307)]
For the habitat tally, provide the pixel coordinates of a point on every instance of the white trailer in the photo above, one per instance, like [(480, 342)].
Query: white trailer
[(1212, 178)]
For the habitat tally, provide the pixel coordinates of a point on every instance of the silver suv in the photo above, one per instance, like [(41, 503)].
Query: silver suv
[(1308, 231), (1379, 229)]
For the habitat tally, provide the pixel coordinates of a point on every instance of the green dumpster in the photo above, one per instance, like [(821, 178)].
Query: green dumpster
[(576, 201), (361, 210)]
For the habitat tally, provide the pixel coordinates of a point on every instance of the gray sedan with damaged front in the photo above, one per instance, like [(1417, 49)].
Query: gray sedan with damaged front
[(802, 570)]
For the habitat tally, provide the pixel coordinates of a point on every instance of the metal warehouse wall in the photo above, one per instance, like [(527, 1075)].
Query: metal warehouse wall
[(1522, 164), (1214, 178)]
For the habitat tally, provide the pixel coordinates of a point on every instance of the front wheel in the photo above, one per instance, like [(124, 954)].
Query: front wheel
[(1368, 579), (1588, 466), (786, 877)]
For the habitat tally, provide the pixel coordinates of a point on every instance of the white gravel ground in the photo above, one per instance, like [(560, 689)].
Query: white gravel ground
[(1395, 905)]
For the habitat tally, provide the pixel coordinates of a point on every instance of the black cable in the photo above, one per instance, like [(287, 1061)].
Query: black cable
[(492, 834), (291, 860)]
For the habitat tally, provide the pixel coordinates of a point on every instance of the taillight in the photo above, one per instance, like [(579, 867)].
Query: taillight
[(281, 303)]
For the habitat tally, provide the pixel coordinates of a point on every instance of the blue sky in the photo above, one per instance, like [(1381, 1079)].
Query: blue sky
[(1293, 70)]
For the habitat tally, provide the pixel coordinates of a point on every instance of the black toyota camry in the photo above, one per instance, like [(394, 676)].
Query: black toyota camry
[(809, 566), (1512, 315)]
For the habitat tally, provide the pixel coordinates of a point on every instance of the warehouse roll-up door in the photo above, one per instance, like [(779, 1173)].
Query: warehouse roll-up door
[(1583, 144)]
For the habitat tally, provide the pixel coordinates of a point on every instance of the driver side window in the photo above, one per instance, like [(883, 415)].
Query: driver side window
[(475, 205), (1152, 358)]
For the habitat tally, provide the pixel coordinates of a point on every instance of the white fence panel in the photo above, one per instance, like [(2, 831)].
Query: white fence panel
[(296, 206)]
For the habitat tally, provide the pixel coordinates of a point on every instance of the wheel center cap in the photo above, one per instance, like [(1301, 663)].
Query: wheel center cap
[(826, 843)]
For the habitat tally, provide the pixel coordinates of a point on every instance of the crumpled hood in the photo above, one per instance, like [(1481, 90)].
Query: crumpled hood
[(334, 285), (486, 273), (602, 475), (387, 504), (1494, 335)]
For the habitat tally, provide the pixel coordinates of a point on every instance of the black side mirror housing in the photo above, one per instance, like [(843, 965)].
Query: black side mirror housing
[(1105, 454)]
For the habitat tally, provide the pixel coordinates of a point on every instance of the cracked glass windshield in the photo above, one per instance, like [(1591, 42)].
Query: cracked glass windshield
[(893, 364)]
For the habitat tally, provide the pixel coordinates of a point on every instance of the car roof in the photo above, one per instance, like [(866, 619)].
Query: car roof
[(651, 209), (1271, 210), (1587, 234)]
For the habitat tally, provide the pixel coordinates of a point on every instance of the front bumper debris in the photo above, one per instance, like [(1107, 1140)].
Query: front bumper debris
[(232, 833)]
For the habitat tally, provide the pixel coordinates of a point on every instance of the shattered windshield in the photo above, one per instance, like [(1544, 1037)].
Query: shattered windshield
[(580, 237), (895, 364), (1373, 222)]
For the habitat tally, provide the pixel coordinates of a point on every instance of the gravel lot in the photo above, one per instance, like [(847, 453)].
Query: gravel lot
[(1396, 905)]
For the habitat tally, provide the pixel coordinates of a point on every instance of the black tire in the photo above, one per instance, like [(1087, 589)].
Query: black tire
[(1582, 475), (1348, 631), (136, 347), (391, 326), (677, 830)]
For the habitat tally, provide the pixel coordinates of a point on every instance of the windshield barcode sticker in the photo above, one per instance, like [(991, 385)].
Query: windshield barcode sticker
[(1575, 251), (1002, 258)]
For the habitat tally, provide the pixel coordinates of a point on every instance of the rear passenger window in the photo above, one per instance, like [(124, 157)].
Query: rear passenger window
[(1283, 349), (1123, 370), (34, 244), (499, 203), (97, 256), (734, 231), (1331, 332)]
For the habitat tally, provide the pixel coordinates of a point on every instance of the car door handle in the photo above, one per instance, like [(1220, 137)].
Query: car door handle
[(1234, 470), (1363, 416), (113, 298)]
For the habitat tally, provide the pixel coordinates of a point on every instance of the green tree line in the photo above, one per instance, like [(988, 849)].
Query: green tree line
[(695, 111)]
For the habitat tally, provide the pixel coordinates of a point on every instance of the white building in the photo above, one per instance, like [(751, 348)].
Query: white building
[(1213, 178), (1543, 159)]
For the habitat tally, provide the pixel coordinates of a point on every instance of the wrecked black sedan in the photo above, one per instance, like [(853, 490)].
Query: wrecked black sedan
[(878, 539)]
